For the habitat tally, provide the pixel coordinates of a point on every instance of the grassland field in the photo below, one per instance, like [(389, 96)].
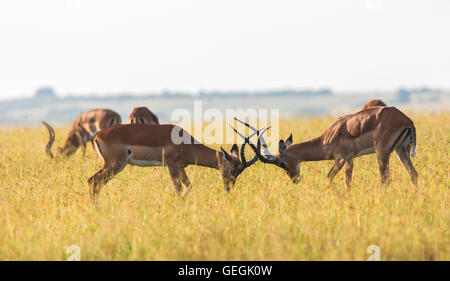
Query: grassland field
[(45, 206)]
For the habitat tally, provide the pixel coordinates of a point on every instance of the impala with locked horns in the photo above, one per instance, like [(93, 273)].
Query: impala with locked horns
[(379, 130), (153, 145)]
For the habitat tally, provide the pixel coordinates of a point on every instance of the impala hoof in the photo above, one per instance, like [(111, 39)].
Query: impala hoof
[(296, 180)]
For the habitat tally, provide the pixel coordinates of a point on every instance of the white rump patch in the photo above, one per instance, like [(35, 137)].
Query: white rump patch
[(97, 149)]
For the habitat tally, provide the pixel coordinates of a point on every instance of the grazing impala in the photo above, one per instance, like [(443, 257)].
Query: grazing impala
[(372, 103), (142, 115), (84, 128), (153, 145), (378, 130)]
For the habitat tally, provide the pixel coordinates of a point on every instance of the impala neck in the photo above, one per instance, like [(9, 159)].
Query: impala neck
[(202, 155), (311, 150)]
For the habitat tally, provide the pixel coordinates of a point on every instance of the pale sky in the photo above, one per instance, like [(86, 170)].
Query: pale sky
[(92, 46)]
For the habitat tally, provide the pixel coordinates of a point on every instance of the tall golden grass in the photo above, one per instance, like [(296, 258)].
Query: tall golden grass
[(45, 206)]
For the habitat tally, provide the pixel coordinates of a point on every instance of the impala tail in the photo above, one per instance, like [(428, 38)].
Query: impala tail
[(413, 141), (51, 140)]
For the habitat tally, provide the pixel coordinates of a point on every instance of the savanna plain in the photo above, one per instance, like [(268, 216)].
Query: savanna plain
[(45, 205)]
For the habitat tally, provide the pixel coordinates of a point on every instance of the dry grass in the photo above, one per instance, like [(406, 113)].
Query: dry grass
[(45, 206)]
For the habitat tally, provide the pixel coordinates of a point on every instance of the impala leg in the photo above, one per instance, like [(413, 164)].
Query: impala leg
[(337, 166), (185, 180), (105, 174), (383, 165), (348, 173), (175, 175), (97, 181), (94, 181), (403, 155), (83, 149), (92, 142)]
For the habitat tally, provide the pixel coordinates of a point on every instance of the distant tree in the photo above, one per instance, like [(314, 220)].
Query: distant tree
[(325, 92), (45, 93), (403, 96)]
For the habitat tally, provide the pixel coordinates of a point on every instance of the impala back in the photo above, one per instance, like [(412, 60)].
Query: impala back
[(141, 144)]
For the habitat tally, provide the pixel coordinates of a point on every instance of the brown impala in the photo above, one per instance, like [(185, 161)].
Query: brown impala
[(153, 145), (378, 130), (373, 103), (142, 115), (84, 128)]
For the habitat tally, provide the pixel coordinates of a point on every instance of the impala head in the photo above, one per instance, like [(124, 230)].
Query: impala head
[(71, 144), (282, 160), (231, 166), (142, 115)]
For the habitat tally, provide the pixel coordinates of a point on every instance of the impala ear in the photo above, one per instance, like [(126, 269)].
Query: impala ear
[(225, 155), (235, 150), (282, 147), (289, 141)]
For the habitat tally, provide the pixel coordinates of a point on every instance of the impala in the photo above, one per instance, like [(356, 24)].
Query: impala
[(153, 145), (372, 103), (142, 115), (84, 128), (379, 130)]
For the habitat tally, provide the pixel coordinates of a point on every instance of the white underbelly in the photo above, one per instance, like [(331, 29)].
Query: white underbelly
[(366, 151), (144, 163)]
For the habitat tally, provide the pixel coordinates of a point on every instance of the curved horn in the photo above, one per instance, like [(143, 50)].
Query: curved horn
[(246, 124), (247, 140), (260, 139), (269, 158), (257, 132), (51, 140), (258, 145)]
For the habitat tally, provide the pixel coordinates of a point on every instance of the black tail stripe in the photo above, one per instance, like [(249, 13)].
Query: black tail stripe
[(98, 147), (399, 138)]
